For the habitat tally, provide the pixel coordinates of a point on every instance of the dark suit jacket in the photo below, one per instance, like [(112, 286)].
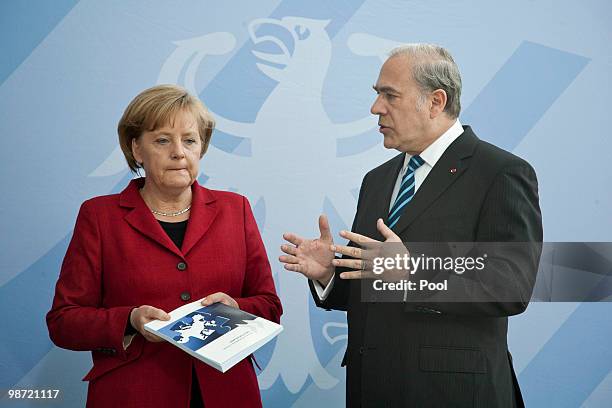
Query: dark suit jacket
[(427, 352), (120, 258)]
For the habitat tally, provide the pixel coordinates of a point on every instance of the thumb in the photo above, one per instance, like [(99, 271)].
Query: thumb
[(324, 228), (210, 299), (386, 232), (159, 314)]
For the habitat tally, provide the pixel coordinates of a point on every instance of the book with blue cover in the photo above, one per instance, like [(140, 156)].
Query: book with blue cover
[(218, 335)]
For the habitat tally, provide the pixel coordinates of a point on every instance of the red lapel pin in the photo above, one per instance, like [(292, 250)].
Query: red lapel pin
[(453, 170)]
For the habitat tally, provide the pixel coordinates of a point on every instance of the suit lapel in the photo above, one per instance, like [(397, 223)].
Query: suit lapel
[(203, 212), (141, 218), (446, 171)]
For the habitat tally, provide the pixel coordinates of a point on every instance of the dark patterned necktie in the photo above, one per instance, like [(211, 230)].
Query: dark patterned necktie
[(406, 191)]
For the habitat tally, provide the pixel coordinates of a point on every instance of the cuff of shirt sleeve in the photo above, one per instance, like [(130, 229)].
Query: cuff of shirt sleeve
[(322, 292), (127, 340), (119, 318)]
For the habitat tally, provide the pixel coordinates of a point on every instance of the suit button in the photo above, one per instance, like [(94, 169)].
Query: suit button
[(185, 296), (181, 266), (361, 350)]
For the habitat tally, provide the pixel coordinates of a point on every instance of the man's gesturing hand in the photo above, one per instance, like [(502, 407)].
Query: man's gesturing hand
[(310, 257), (360, 258)]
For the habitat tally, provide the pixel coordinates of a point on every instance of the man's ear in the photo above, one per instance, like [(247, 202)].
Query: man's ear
[(438, 103)]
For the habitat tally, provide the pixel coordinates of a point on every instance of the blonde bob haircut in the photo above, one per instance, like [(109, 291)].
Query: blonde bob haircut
[(156, 107)]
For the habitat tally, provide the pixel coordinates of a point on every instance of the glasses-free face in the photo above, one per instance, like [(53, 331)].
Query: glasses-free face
[(401, 108), (170, 155)]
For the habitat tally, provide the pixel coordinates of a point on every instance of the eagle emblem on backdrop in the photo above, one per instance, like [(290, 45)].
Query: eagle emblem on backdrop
[(292, 163)]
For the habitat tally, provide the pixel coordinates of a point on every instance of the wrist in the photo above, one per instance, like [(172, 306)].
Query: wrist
[(130, 329), (325, 280)]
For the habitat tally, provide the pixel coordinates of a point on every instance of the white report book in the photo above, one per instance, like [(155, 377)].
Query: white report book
[(219, 335)]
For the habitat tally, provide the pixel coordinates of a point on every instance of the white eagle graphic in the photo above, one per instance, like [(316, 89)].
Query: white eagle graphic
[(293, 145)]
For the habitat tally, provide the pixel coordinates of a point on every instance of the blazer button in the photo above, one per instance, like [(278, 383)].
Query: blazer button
[(185, 296), (181, 266)]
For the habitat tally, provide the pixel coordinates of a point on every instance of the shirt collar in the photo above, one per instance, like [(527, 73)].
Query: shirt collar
[(434, 151)]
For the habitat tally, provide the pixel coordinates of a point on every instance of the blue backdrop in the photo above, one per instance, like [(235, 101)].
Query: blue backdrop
[(290, 84)]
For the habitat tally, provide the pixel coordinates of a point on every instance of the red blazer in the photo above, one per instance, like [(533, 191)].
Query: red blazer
[(121, 258)]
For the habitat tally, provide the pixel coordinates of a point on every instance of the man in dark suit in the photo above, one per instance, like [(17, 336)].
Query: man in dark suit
[(445, 186)]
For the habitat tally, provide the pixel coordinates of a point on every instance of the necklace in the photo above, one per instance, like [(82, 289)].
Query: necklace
[(172, 214), (164, 214)]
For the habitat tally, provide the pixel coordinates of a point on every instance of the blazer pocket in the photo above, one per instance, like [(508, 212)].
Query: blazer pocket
[(452, 359), (104, 364)]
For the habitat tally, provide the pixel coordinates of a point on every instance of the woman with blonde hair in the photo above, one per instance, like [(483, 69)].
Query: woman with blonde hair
[(162, 242)]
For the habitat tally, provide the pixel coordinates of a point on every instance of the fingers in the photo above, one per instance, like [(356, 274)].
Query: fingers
[(386, 231), (358, 274), (353, 252), (144, 314), (214, 298), (353, 275), (357, 238), (289, 250), (288, 259), (350, 263), (219, 297), (324, 229), (294, 267), (294, 239), (154, 313)]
